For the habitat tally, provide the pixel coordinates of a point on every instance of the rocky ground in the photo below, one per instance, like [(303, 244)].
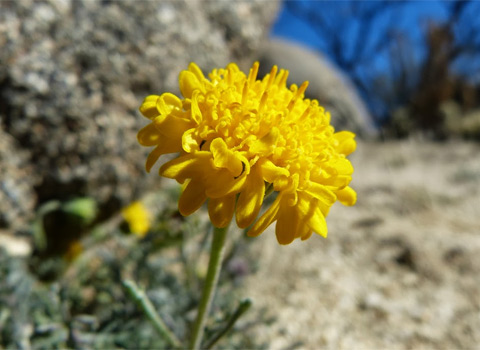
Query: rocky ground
[(400, 270)]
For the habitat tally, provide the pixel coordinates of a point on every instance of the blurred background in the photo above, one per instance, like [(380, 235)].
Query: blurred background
[(415, 64), (79, 214)]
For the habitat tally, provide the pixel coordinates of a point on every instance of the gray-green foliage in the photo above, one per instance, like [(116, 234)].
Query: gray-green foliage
[(87, 307)]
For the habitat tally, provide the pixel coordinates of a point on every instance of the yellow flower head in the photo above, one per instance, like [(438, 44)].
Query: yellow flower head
[(138, 218), (237, 136)]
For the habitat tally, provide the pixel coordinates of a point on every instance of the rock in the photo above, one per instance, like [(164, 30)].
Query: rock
[(73, 74), (332, 88), (17, 197)]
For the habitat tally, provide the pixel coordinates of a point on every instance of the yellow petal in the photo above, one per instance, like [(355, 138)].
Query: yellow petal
[(164, 147), (187, 166), (188, 83), (306, 205), (287, 223), (337, 181), (226, 158), (303, 229), (346, 142), (221, 183), (312, 214), (221, 210), (250, 199), (167, 103), (149, 106), (189, 143), (196, 112), (148, 135), (233, 68), (281, 183), (266, 219), (324, 209), (264, 145), (153, 157), (347, 196), (270, 171), (318, 223), (307, 235), (341, 166), (192, 67), (321, 192), (171, 126), (192, 197)]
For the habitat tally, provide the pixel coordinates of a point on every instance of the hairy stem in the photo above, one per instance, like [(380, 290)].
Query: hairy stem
[(214, 266), (142, 300)]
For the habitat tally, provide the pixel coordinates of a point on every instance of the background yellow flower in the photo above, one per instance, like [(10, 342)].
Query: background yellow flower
[(138, 218)]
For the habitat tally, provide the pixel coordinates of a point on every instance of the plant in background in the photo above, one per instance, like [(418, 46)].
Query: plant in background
[(239, 139), (57, 231)]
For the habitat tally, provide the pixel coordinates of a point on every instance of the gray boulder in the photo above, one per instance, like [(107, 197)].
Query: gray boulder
[(73, 74), (17, 196), (327, 84)]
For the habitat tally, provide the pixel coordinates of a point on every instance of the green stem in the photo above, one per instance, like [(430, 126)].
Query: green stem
[(142, 300), (214, 266), (241, 309)]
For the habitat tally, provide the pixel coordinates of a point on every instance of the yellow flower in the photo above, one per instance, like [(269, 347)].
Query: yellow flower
[(237, 136), (138, 218)]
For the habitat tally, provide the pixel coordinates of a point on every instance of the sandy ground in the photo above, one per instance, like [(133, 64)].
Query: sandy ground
[(400, 270)]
